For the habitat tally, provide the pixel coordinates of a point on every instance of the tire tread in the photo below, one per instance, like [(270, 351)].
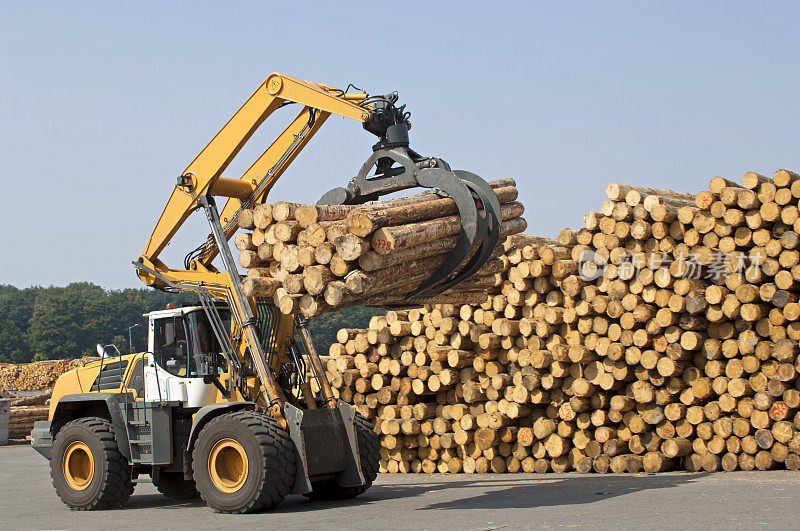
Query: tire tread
[(277, 455), (117, 485)]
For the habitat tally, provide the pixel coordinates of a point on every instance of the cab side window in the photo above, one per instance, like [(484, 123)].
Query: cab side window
[(170, 347)]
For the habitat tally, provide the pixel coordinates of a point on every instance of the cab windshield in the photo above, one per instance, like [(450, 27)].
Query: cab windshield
[(185, 345)]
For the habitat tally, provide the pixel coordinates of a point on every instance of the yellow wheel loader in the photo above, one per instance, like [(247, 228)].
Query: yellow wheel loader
[(221, 405)]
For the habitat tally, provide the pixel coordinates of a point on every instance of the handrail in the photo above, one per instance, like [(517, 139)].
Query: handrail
[(218, 326), (144, 374), (102, 361), (144, 400), (123, 388), (158, 382)]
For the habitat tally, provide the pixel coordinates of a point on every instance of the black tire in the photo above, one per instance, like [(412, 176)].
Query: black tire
[(270, 462), (173, 485), (109, 484), (369, 454)]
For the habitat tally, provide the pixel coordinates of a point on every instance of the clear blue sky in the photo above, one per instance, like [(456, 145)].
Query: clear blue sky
[(103, 104)]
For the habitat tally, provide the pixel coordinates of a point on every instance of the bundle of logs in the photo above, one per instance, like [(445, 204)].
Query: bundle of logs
[(319, 258), (662, 335), (26, 411)]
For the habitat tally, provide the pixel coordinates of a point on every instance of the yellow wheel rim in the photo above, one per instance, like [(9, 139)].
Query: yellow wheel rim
[(227, 465), (78, 465)]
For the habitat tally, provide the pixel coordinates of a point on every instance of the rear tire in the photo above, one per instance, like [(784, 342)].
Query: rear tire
[(173, 485), (243, 462), (369, 454), (88, 470)]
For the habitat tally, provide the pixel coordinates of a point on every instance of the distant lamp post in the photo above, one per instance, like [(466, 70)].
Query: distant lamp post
[(130, 338)]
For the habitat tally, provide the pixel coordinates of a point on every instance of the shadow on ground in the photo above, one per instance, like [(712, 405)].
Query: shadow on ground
[(509, 493), (159, 501), (504, 492)]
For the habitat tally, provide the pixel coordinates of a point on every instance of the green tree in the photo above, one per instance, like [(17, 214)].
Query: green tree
[(13, 343), (67, 322), (55, 330), (16, 307)]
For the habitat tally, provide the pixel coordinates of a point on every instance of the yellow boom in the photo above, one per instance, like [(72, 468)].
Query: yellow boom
[(204, 174)]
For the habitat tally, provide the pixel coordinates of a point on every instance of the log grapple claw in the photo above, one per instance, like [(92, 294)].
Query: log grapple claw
[(399, 168)]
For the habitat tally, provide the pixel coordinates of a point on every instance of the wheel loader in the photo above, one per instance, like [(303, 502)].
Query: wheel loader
[(221, 405)]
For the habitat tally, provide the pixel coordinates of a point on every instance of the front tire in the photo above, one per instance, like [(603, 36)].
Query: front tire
[(88, 470), (243, 462), (173, 485), (369, 456)]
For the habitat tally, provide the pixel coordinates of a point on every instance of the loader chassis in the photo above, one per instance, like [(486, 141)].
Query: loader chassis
[(159, 402), (231, 402)]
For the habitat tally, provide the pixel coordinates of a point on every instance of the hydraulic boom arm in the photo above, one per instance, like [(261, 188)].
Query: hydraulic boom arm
[(203, 176), (393, 166)]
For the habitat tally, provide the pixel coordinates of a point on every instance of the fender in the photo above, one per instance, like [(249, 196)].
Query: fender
[(80, 405), (206, 413)]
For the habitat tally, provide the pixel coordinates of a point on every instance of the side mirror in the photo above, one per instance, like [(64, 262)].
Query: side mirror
[(101, 351)]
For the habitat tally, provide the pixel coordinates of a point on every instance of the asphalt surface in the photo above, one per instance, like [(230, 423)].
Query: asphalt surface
[(417, 501)]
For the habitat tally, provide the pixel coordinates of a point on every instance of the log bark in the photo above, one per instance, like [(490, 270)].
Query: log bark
[(365, 223), (389, 239), (260, 286)]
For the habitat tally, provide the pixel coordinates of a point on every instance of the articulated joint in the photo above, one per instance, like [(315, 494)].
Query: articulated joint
[(146, 273), (186, 182)]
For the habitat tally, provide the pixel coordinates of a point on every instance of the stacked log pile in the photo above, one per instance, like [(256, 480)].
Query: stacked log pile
[(34, 376), (662, 335), (319, 258), (39, 375), (22, 418), (25, 411)]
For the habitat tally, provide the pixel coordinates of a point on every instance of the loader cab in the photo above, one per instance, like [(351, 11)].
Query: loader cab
[(184, 351)]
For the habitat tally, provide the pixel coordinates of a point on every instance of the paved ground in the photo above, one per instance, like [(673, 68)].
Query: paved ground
[(673, 500)]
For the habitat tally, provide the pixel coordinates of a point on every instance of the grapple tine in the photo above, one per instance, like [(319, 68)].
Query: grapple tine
[(470, 232), (488, 236)]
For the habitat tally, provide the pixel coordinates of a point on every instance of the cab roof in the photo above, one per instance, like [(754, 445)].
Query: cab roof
[(183, 310), (173, 312)]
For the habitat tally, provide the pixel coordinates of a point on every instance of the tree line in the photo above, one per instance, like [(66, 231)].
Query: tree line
[(39, 323)]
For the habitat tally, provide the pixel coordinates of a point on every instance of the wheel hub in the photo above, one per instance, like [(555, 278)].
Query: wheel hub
[(228, 465), (78, 465)]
